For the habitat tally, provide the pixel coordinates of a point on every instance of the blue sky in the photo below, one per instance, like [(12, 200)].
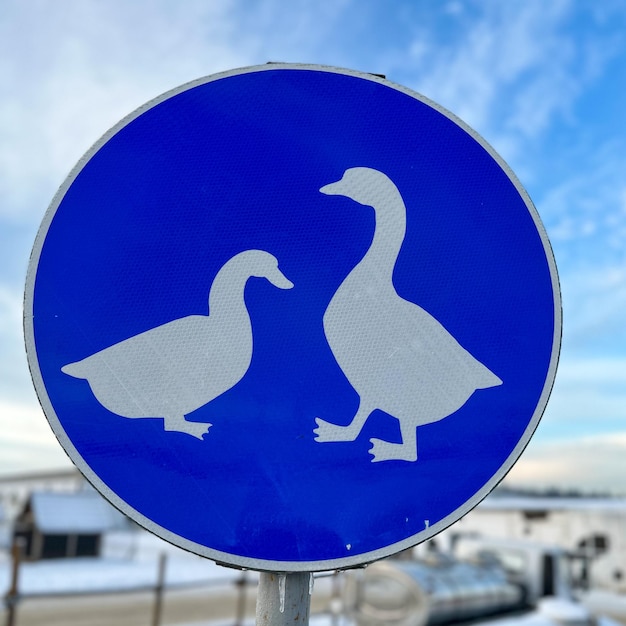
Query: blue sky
[(543, 82)]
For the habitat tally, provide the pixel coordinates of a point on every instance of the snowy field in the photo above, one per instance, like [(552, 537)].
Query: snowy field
[(93, 575), (124, 579), (130, 562), (315, 620)]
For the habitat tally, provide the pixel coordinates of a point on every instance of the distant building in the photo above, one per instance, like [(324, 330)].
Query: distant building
[(65, 525), (16, 489), (594, 528)]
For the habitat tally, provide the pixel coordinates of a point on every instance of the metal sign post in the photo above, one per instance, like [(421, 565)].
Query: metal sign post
[(292, 318), (284, 599)]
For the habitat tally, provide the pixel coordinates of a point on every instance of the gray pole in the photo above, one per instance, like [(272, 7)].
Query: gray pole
[(283, 599)]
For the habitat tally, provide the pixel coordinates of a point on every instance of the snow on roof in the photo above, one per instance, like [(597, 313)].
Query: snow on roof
[(529, 503), (64, 473), (80, 512)]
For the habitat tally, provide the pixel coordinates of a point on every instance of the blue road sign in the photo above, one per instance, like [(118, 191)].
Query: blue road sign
[(292, 317)]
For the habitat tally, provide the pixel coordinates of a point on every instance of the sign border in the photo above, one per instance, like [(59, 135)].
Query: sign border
[(237, 561)]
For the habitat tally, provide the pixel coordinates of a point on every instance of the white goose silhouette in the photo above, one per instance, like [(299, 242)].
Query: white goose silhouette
[(174, 369), (398, 358)]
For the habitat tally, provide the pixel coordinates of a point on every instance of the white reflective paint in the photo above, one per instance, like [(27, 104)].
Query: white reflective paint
[(397, 356), (174, 369)]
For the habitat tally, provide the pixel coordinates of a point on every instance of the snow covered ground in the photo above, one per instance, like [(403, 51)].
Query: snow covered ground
[(131, 562), (552, 613), (601, 602), (314, 620), (93, 575)]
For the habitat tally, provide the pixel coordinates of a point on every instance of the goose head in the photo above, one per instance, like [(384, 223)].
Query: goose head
[(261, 264), (363, 185)]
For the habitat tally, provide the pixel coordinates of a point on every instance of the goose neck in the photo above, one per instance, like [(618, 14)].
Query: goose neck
[(388, 235), (227, 295)]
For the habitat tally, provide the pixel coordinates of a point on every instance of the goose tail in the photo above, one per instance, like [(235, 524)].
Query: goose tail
[(486, 378), (74, 369)]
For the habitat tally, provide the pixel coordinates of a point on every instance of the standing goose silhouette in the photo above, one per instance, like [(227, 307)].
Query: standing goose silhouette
[(397, 356), (174, 369)]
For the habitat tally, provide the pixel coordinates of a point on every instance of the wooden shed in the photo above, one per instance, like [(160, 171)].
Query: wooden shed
[(65, 525)]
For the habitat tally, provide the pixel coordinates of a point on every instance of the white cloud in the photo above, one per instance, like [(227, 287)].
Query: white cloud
[(587, 404), (594, 301), (599, 370), (10, 308), (513, 71), (509, 43), (588, 463), (78, 68), (26, 440), (593, 192), (589, 395), (70, 71), (299, 31), (454, 8), (14, 376), (585, 217)]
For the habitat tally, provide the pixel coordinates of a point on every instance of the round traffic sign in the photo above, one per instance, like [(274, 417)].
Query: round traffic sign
[(292, 318)]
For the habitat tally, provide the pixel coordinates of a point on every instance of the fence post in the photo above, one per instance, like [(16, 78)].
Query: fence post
[(158, 590), (242, 584), (13, 596), (335, 599)]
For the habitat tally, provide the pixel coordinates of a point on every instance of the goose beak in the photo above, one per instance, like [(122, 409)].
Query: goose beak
[(333, 189), (278, 279)]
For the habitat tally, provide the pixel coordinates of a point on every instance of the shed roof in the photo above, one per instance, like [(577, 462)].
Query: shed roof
[(83, 512), (530, 503)]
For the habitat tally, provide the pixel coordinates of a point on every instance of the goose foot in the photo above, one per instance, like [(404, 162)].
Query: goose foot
[(181, 425), (326, 431), (385, 451)]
